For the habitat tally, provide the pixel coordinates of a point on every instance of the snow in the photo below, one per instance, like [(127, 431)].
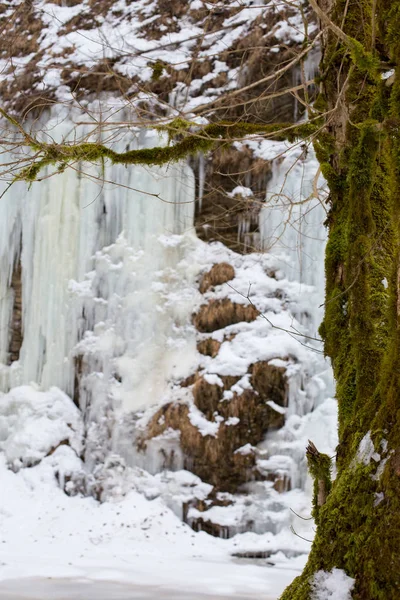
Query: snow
[(240, 190), (232, 421), (107, 589), (205, 426), (333, 585), (34, 423), (213, 379), (276, 407), (366, 451), (387, 74), (45, 533)]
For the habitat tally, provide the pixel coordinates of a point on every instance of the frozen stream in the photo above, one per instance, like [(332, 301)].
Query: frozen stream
[(85, 589)]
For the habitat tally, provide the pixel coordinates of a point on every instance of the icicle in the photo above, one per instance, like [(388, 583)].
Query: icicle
[(201, 180), (63, 223)]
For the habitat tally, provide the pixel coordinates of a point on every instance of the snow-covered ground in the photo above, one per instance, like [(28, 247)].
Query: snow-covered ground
[(55, 546), (46, 534), (87, 589)]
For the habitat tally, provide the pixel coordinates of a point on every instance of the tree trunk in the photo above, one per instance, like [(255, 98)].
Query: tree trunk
[(358, 526)]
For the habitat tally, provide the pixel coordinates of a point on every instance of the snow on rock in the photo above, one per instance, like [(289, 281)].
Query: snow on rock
[(33, 424), (205, 426), (240, 190), (333, 585)]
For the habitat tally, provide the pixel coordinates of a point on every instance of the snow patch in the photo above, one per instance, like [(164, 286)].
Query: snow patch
[(205, 426), (333, 585), (366, 450), (34, 423)]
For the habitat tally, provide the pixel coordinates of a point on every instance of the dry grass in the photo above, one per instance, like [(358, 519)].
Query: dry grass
[(218, 314), (207, 397), (219, 274), (19, 32), (100, 78), (209, 347)]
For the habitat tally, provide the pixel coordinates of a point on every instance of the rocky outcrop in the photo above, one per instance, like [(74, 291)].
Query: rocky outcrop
[(31, 29), (209, 347), (225, 214), (16, 336), (219, 274), (218, 314), (228, 414), (219, 458)]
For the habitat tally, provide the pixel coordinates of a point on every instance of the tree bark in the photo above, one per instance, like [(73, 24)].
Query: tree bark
[(358, 528)]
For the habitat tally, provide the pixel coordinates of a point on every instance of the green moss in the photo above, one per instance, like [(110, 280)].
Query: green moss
[(189, 143), (361, 536), (320, 466), (358, 528), (157, 68), (364, 60)]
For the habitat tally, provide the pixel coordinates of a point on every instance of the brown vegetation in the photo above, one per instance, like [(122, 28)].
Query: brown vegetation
[(218, 314), (219, 274), (215, 459), (209, 347)]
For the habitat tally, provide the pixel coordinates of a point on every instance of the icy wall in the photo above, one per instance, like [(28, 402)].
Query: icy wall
[(291, 221), (109, 263), (90, 250)]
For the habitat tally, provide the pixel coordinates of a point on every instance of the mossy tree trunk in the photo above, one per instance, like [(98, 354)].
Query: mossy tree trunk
[(359, 524)]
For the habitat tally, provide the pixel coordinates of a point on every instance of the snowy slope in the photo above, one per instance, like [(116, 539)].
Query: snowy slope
[(185, 54)]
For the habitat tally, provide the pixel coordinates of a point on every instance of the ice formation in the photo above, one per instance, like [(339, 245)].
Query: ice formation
[(91, 256), (109, 264)]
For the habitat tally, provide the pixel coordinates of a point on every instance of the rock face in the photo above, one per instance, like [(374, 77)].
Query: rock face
[(226, 214), (16, 323), (219, 458), (218, 445)]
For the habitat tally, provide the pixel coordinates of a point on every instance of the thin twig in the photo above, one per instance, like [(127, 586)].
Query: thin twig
[(292, 333), (300, 536), (300, 517)]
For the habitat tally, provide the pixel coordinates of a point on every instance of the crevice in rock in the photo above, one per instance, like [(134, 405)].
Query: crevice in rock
[(16, 336)]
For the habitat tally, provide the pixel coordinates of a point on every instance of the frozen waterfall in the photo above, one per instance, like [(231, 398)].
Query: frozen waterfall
[(108, 283), (291, 220), (90, 245)]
